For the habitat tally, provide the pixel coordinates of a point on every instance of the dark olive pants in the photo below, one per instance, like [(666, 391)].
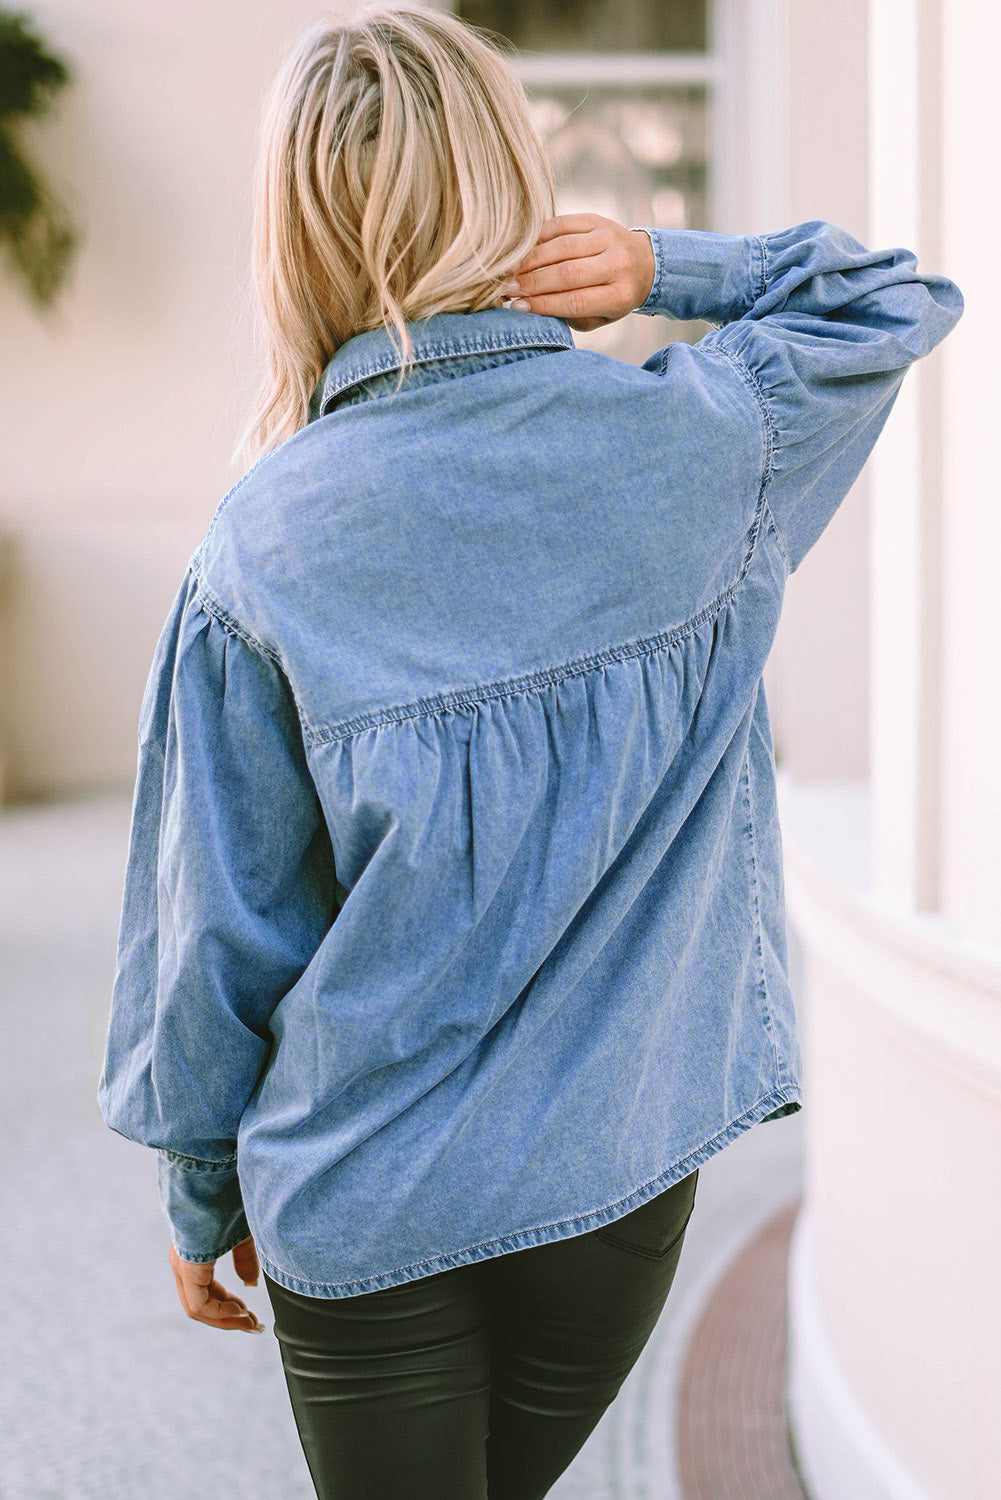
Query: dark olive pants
[(482, 1381)]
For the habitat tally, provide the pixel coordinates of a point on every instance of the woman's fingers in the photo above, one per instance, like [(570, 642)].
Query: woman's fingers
[(583, 302), (583, 268), (206, 1300), (246, 1262), (561, 245), (221, 1304), (566, 276), (570, 224), (213, 1304), (230, 1312)]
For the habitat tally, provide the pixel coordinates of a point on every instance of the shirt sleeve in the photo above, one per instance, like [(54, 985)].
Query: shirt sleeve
[(822, 331), (229, 890)]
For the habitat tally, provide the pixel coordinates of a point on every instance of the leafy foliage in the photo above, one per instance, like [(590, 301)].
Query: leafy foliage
[(37, 232)]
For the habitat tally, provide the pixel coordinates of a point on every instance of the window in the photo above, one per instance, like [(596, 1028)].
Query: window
[(621, 95)]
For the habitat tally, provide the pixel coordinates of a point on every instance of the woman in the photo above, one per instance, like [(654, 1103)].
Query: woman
[(453, 938)]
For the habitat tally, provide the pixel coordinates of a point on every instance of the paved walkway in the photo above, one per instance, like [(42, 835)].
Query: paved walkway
[(108, 1392)]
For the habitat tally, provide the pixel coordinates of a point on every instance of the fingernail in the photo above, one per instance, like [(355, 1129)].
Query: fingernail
[(520, 304), (513, 286)]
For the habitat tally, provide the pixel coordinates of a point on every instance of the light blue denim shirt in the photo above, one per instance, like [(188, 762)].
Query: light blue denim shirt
[(453, 915)]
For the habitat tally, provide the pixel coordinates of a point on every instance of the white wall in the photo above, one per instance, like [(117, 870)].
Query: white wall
[(817, 676), (121, 407)]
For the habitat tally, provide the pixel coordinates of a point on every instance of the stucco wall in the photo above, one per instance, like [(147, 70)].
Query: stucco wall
[(122, 406)]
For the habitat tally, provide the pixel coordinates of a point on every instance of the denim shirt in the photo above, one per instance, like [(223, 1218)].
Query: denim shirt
[(453, 915)]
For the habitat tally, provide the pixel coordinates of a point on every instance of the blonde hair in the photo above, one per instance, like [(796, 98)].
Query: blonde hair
[(399, 174)]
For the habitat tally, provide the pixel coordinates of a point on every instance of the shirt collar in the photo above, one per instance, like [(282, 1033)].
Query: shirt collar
[(443, 335)]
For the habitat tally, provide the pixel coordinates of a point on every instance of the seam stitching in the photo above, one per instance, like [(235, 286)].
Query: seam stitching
[(608, 1232), (197, 554), (211, 604), (389, 360), (780, 544), (762, 984), (768, 463), (750, 379), (197, 1163), (454, 368), (772, 447), (440, 703), (218, 611), (653, 300), (527, 1238), (762, 249), (230, 1244)]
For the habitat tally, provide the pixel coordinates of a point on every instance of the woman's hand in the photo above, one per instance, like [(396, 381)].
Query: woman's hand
[(586, 269), (207, 1300)]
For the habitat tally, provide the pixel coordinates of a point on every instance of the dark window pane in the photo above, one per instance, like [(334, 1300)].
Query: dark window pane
[(593, 25)]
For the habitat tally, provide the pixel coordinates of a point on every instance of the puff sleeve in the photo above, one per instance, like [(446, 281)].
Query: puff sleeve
[(229, 890), (822, 331)]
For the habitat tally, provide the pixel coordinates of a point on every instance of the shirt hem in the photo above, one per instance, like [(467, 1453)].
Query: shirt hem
[(782, 1100)]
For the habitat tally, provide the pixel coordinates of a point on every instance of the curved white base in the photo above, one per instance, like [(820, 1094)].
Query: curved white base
[(840, 1454)]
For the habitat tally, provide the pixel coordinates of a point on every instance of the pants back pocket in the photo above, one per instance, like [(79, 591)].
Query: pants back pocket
[(655, 1227)]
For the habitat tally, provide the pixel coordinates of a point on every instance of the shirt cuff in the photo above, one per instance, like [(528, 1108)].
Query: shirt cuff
[(202, 1203), (702, 274)]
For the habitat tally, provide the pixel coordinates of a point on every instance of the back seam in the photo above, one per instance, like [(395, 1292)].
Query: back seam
[(441, 703)]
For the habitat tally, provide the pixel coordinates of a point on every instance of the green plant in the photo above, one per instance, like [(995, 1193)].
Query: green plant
[(34, 226)]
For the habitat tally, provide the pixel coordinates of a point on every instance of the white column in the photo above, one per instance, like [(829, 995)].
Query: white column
[(905, 472), (970, 372), (803, 130)]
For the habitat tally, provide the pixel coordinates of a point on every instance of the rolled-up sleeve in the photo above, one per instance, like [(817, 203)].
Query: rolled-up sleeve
[(229, 891)]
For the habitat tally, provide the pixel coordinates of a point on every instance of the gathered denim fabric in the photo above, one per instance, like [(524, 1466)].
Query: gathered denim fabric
[(453, 918)]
